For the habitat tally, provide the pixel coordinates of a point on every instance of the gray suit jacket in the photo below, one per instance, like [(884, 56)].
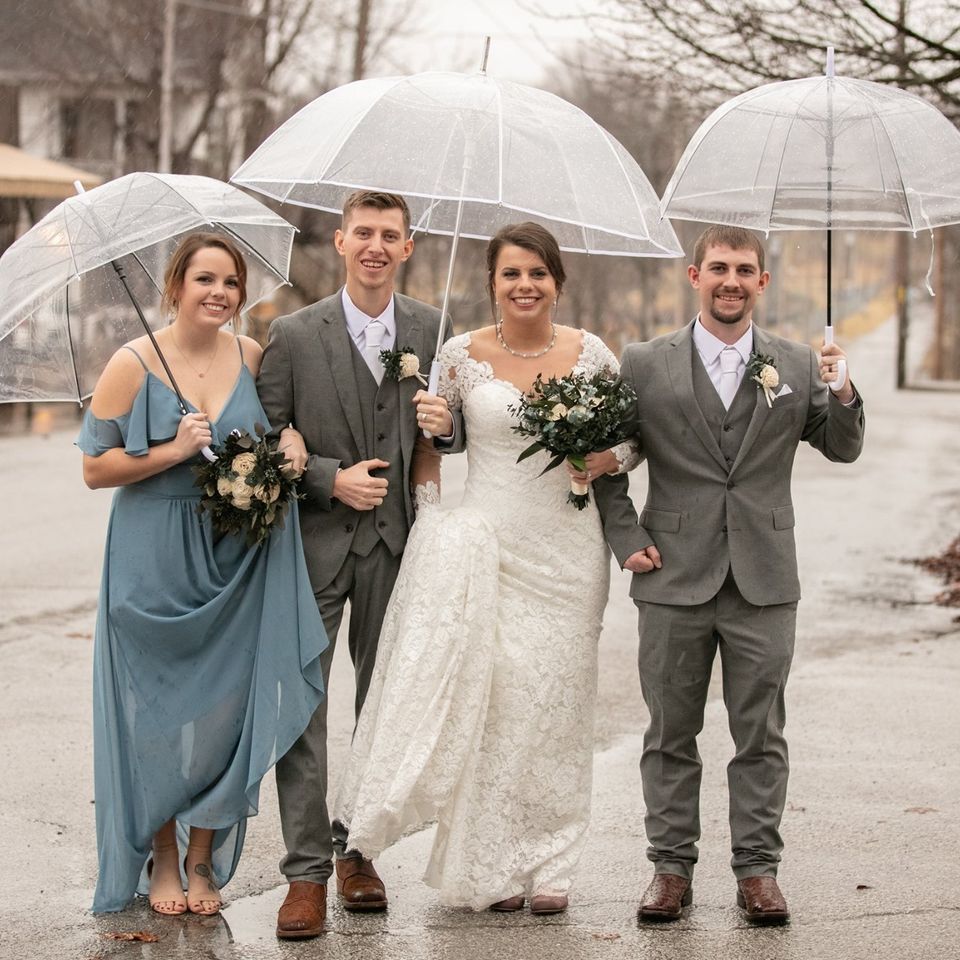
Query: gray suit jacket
[(707, 516), (307, 380)]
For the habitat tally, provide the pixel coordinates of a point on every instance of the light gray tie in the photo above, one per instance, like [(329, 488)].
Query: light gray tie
[(729, 365), (373, 336)]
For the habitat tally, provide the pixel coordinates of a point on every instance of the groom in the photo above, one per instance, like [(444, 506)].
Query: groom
[(322, 375), (715, 562)]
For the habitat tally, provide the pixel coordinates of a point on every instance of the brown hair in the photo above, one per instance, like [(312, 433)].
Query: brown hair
[(724, 235), (530, 236), (379, 201), (178, 263)]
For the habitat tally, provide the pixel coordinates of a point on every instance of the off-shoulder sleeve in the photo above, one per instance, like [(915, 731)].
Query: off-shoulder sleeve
[(98, 436), (152, 419)]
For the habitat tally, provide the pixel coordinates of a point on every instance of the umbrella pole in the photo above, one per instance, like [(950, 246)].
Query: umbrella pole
[(118, 267), (434, 379), (836, 385)]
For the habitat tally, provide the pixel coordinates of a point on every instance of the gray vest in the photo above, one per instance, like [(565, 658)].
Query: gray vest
[(380, 410), (728, 426)]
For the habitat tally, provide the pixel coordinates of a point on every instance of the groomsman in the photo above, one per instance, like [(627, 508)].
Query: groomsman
[(722, 406), (321, 375)]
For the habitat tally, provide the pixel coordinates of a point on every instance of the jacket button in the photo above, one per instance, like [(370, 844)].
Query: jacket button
[(349, 528), (724, 528), (381, 436), (730, 485), (381, 523), (727, 428), (381, 407), (728, 459)]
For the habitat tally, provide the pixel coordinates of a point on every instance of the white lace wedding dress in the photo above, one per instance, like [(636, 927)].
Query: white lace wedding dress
[(480, 711)]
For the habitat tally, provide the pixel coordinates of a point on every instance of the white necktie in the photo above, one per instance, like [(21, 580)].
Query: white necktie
[(729, 365), (373, 336)]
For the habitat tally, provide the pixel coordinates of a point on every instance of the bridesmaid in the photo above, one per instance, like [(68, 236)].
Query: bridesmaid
[(206, 660)]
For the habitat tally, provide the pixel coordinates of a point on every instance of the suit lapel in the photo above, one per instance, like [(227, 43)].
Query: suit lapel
[(408, 335), (680, 362), (339, 349), (761, 344)]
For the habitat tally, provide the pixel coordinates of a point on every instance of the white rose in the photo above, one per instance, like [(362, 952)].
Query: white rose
[(266, 494), (224, 486), (409, 365), (769, 378), (558, 412), (241, 493), (243, 463)]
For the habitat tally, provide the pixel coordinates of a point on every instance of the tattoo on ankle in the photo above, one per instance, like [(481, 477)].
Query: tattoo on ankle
[(202, 870)]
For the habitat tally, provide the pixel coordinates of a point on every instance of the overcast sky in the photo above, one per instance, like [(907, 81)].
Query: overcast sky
[(521, 42)]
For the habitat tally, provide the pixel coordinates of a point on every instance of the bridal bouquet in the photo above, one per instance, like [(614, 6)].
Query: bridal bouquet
[(572, 416), (248, 488)]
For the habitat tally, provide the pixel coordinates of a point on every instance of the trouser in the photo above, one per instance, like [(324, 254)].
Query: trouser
[(677, 649), (308, 834)]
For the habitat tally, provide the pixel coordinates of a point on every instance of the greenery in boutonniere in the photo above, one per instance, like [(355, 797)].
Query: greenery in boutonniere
[(572, 416), (763, 370), (401, 363)]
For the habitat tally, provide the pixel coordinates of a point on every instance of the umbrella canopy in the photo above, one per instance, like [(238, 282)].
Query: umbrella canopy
[(489, 150), (822, 153), (23, 175), (64, 310)]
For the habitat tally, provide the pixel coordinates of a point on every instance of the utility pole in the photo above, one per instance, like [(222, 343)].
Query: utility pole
[(165, 151)]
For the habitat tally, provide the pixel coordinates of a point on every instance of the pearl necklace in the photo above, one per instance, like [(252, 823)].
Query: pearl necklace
[(519, 353)]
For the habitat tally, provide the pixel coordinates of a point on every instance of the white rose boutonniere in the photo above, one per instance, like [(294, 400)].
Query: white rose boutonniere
[(401, 363), (763, 370)]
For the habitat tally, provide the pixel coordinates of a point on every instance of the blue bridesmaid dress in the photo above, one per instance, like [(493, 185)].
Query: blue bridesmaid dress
[(207, 653)]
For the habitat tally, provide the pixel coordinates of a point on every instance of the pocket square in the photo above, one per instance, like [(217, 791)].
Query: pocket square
[(783, 391)]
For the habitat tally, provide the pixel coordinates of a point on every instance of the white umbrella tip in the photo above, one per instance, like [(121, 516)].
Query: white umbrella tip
[(830, 68), (78, 186)]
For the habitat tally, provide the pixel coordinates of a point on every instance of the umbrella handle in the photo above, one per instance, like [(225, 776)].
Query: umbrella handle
[(432, 383), (836, 385), (209, 454)]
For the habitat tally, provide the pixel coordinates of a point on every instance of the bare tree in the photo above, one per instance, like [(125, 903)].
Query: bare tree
[(718, 49)]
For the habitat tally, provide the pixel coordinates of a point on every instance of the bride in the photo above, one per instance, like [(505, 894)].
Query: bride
[(480, 711)]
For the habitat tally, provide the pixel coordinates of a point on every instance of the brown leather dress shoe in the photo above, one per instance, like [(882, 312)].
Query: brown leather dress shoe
[(303, 912), (358, 885), (510, 905), (762, 900), (665, 898), (548, 903)]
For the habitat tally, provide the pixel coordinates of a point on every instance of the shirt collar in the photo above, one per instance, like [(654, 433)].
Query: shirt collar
[(710, 347), (357, 320)]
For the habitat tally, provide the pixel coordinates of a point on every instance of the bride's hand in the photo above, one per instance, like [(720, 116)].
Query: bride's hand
[(433, 414), (598, 464)]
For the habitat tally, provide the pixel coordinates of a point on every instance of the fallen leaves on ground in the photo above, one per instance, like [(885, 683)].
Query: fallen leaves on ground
[(946, 565), (921, 810), (143, 936)]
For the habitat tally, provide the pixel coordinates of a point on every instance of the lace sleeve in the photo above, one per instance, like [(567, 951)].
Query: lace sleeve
[(597, 357), (450, 360)]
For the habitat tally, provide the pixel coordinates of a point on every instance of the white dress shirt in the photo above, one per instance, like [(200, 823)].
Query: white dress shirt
[(357, 322), (710, 348)]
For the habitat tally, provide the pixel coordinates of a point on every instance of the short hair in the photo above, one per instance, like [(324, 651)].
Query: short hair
[(379, 200), (177, 265), (725, 235), (530, 236)]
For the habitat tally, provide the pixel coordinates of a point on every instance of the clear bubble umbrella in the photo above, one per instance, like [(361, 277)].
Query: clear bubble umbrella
[(821, 153), (470, 154), (87, 277)]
